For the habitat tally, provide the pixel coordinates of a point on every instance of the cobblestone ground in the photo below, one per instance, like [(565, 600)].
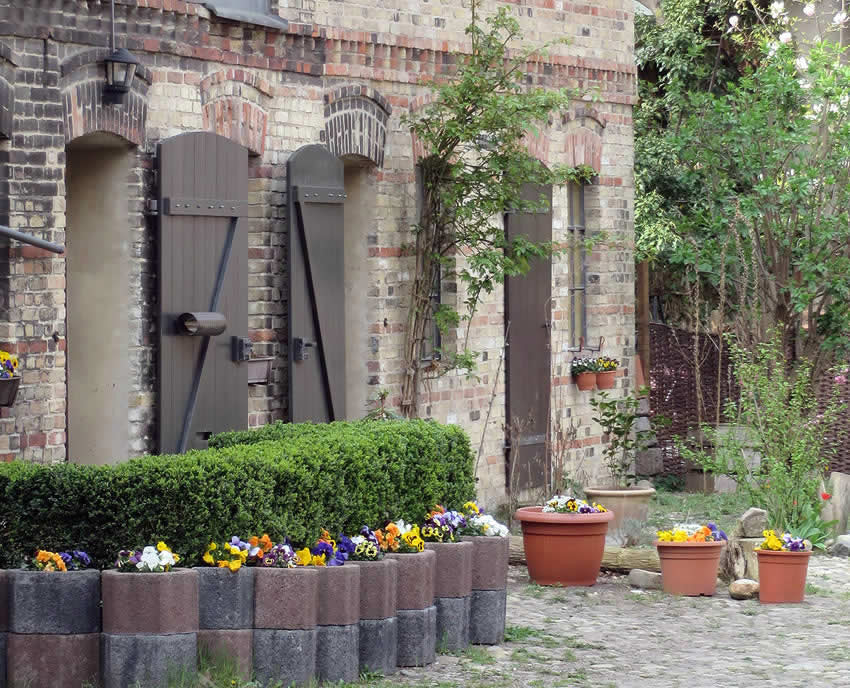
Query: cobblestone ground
[(613, 636)]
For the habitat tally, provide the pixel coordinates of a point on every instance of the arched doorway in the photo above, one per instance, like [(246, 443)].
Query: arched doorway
[(97, 297)]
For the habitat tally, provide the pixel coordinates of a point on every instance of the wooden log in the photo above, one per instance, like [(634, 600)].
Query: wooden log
[(619, 559)]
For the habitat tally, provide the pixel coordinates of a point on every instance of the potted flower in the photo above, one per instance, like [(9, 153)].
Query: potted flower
[(606, 372), (584, 373), (564, 540), (783, 566), (689, 556), (490, 554), (618, 421), (337, 652), (453, 588), (378, 591), (150, 616), (286, 603), (416, 612), (9, 379), (226, 600), (54, 620)]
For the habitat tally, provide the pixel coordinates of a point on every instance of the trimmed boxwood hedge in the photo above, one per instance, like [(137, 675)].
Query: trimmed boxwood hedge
[(285, 479)]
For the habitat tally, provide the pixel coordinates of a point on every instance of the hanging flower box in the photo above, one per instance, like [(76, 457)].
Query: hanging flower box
[(9, 381)]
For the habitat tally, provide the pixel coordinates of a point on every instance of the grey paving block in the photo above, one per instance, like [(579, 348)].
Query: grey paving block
[(379, 645), (225, 598), (44, 602), (150, 659), (3, 637), (338, 652), (288, 657), (487, 617), (417, 636), (452, 623)]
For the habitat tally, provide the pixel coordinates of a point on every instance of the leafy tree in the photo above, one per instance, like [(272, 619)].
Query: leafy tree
[(476, 164)]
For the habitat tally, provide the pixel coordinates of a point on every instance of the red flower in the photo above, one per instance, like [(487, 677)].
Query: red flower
[(825, 495)]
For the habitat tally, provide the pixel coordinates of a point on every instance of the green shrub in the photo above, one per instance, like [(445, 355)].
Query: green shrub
[(286, 480)]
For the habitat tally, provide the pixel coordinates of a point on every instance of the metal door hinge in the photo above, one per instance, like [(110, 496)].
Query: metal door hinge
[(301, 348)]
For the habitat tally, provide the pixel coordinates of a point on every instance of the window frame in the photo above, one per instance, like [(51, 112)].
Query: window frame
[(577, 284)]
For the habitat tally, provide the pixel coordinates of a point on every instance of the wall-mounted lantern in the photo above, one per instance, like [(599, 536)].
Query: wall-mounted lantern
[(120, 69)]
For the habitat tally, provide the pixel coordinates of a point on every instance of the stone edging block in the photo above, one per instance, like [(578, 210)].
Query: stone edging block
[(339, 596), (415, 580), (489, 561), (284, 656), (58, 661), (378, 588), (454, 562), (158, 603), (147, 658), (286, 599), (225, 598), (54, 602)]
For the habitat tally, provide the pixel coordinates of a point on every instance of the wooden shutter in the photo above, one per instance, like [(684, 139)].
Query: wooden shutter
[(316, 186), (203, 269), (528, 359)]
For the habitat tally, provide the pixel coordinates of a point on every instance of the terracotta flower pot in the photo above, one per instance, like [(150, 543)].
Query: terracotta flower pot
[(782, 576), (627, 503), (689, 568), (585, 381), (606, 380), (563, 549)]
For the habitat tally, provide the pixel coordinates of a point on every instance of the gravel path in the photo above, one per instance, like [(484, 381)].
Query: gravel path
[(610, 636)]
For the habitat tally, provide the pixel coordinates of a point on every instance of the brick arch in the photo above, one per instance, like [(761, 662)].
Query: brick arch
[(356, 122), (583, 146), (234, 104), (82, 80), (586, 116)]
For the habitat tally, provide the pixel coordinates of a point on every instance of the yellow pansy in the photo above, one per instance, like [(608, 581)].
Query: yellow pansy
[(303, 557)]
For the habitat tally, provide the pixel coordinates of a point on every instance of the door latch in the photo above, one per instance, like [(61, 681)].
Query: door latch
[(242, 348), (301, 348)]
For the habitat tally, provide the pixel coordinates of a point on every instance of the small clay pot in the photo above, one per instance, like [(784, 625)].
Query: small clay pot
[(782, 576), (563, 549), (689, 568), (606, 380), (585, 381)]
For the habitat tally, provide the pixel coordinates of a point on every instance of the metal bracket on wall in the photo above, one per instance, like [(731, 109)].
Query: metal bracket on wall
[(590, 349), (301, 348)]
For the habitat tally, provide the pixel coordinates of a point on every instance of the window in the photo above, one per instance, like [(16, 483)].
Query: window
[(577, 267)]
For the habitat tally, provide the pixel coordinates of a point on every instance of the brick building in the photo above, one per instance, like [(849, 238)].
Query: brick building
[(274, 79)]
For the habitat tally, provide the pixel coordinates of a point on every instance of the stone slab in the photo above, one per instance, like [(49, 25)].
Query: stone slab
[(415, 579), (58, 661), (378, 645), (156, 603), (149, 659), (286, 599), (454, 568), (284, 656), (487, 617), (339, 596), (645, 580), (4, 600), (841, 546), (53, 602), (452, 623), (417, 636), (230, 646), (490, 557), (225, 598), (751, 524), (338, 653), (378, 588)]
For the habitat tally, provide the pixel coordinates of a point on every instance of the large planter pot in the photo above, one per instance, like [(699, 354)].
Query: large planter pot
[(286, 606), (782, 576), (606, 380), (378, 623), (416, 611), (629, 504), (488, 605), (585, 381), (338, 631), (453, 588), (150, 626), (226, 615), (689, 568), (53, 620), (563, 549)]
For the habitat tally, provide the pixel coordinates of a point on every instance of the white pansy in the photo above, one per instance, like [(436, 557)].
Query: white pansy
[(839, 18), (777, 9), (809, 9), (802, 63), (772, 48), (358, 540), (489, 526), (733, 21), (785, 37), (166, 558), (149, 559)]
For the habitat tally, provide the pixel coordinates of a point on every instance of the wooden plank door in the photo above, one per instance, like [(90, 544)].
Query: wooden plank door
[(203, 269), (316, 184), (528, 358)]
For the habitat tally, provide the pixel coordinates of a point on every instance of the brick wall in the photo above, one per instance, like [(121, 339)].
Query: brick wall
[(339, 67)]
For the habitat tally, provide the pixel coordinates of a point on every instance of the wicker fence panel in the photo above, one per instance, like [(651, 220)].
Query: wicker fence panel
[(674, 392)]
